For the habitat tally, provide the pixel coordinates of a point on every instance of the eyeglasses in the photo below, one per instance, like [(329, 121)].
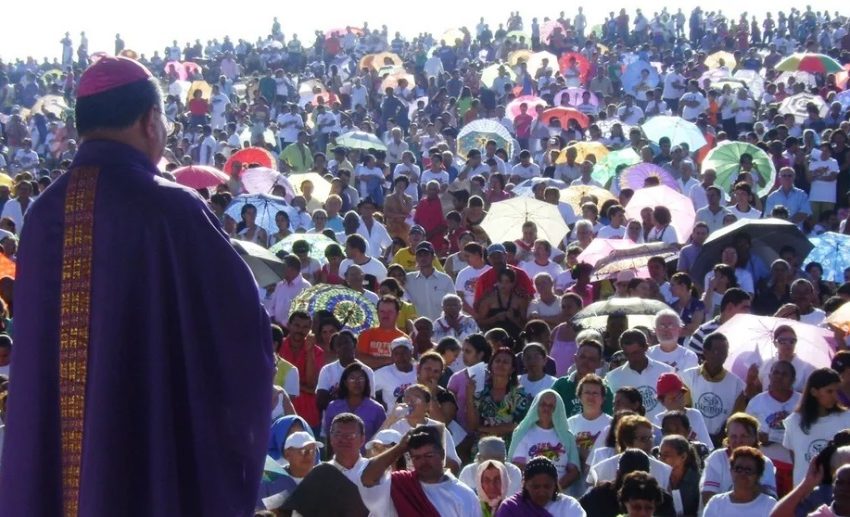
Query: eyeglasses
[(747, 471), (787, 341)]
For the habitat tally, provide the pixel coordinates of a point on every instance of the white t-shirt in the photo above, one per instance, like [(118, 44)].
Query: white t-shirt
[(565, 505), (691, 113), (391, 382), (807, 446), (815, 317), (802, 370), (751, 214), (679, 359), (441, 177), (721, 506), (606, 470), (465, 282), (714, 400), (746, 113), (532, 170), (717, 478), (535, 387), (372, 267), (543, 309), (587, 431), (771, 414), (670, 91), (666, 235), (331, 373), (607, 232), (698, 430), (411, 171), (450, 498), (823, 191), (531, 268), (643, 381), (545, 442)]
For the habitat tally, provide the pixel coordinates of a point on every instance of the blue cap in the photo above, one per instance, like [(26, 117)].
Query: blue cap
[(496, 248)]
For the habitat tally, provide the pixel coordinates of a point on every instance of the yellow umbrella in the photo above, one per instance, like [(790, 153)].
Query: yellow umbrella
[(54, 104), (713, 61), (321, 186), (386, 59), (577, 195), (451, 37), (203, 86), (535, 61), (841, 318), (583, 149), (6, 180), (517, 56)]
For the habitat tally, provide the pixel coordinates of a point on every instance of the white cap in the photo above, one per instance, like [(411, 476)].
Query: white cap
[(301, 439), (385, 437), (401, 341)]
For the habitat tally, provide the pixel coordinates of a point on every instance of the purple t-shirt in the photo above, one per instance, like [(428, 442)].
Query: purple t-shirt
[(369, 410)]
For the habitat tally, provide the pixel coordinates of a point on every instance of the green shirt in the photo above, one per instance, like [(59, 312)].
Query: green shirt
[(299, 157), (566, 388)]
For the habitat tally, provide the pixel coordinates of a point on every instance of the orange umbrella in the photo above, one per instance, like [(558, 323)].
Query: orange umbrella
[(564, 115), (386, 59), (242, 158)]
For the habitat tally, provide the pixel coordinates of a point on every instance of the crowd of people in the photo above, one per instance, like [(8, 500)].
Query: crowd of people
[(378, 164)]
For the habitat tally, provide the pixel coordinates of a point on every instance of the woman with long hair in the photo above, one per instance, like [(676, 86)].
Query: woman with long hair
[(502, 404), (724, 279), (540, 495), (281, 220), (676, 451), (250, 231), (503, 307), (354, 396), (603, 501), (536, 331), (688, 304), (818, 417)]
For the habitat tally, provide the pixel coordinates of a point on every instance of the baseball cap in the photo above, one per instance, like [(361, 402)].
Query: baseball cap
[(401, 341), (668, 382), (841, 361), (385, 437), (625, 276), (301, 439), (496, 248), (417, 228), (425, 247)]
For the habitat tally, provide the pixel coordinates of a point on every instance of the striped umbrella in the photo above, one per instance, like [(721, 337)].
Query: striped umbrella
[(809, 62)]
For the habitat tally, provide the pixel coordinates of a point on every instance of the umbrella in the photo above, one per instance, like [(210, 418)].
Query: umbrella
[(638, 311), (526, 187), (353, 310), (751, 342), (606, 168), (812, 63), (753, 80), (266, 267), (318, 244), (725, 160), (504, 220), (267, 207), (576, 194), (200, 176), (564, 115), (768, 237), (259, 180), (583, 149), (635, 176), (840, 319), (797, 105), (452, 36), (383, 59), (535, 61), (6, 180), (633, 74), (517, 34), (311, 87), (548, 28), (392, 80), (202, 86), (800, 77), (610, 256), (713, 76), (518, 56), (719, 59), (513, 107), (476, 134), (321, 186), (267, 136), (677, 129), (832, 251), (681, 208), (491, 73), (244, 157), (574, 96), (361, 140), (54, 104), (581, 63)]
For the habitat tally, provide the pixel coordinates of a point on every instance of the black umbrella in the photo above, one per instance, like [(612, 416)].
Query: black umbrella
[(768, 237), (267, 268), (639, 311)]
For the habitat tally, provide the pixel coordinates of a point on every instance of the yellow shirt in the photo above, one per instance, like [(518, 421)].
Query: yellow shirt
[(407, 259)]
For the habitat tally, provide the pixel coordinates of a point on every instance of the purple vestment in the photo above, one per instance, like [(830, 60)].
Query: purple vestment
[(179, 355)]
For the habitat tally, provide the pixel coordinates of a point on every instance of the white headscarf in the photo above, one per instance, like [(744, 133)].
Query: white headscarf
[(503, 475)]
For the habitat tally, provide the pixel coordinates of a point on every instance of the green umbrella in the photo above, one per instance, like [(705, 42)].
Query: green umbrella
[(606, 168), (361, 140), (318, 244), (725, 159)]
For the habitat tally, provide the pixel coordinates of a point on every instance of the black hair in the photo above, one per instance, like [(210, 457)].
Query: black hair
[(480, 344), (809, 407), (425, 435), (540, 465), (117, 108), (356, 366), (642, 486)]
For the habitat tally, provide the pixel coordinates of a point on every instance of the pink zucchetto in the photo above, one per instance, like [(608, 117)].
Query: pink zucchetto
[(110, 72)]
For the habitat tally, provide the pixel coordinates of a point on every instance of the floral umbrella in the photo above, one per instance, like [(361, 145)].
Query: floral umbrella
[(318, 244), (638, 311), (476, 134), (832, 252), (576, 195), (353, 310)]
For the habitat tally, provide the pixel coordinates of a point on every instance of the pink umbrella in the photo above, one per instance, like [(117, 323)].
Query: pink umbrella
[(548, 28), (635, 176), (573, 96), (531, 100), (259, 180), (681, 208), (751, 342), (177, 68), (200, 176)]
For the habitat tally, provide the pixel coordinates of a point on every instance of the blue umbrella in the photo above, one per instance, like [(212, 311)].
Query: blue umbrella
[(832, 252), (267, 207), (633, 74)]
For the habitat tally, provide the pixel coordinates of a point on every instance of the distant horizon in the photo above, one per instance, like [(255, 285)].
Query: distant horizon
[(146, 30)]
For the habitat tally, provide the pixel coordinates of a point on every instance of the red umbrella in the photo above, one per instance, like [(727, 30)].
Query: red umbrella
[(581, 62), (244, 157), (564, 115), (200, 176)]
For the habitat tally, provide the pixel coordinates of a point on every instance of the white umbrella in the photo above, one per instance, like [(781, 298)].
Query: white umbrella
[(796, 105), (504, 220)]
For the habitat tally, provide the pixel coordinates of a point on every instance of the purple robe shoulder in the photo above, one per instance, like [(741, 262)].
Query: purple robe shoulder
[(179, 365)]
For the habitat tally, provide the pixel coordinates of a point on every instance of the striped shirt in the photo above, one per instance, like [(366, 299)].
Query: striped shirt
[(697, 339)]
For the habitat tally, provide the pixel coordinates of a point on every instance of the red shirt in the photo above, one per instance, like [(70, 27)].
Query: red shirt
[(198, 107), (305, 401), (488, 280), (429, 214)]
